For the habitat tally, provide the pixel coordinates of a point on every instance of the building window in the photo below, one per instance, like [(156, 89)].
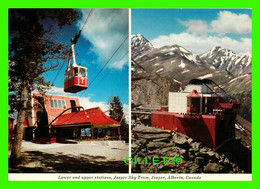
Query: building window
[(63, 104), (51, 102), (57, 103), (83, 132), (86, 132)]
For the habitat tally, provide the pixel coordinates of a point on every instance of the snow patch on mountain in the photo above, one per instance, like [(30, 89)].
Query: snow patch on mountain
[(185, 71), (173, 49), (161, 69), (191, 57), (177, 81), (182, 65), (183, 50), (153, 59), (206, 76), (238, 78), (170, 53)]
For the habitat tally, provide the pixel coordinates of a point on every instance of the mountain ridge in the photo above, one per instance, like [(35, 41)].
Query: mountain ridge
[(175, 66), (215, 58)]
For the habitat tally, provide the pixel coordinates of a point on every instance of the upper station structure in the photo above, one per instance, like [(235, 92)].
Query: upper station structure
[(198, 112)]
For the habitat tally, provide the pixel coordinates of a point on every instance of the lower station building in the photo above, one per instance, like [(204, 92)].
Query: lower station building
[(59, 118)]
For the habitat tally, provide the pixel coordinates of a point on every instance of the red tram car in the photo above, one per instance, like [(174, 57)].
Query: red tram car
[(76, 79)]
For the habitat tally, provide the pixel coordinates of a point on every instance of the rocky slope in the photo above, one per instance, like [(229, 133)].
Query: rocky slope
[(150, 89), (148, 142)]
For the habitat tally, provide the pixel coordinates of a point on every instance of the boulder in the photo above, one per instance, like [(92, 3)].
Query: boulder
[(181, 142), (191, 167), (211, 168), (152, 136), (200, 161), (195, 146)]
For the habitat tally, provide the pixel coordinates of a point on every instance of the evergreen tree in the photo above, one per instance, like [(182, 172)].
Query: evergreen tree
[(33, 50), (116, 112)]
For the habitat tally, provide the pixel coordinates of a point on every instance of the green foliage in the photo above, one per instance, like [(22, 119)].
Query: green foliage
[(34, 48), (116, 112), (115, 109)]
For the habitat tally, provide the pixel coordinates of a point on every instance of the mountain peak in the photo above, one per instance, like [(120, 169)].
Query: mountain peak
[(219, 48), (140, 45), (138, 40), (221, 58)]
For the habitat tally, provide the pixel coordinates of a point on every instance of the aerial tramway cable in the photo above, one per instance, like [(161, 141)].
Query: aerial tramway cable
[(111, 69), (57, 74), (76, 76), (74, 41), (107, 62)]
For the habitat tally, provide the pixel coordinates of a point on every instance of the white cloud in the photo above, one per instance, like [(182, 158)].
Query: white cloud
[(197, 44), (57, 90), (126, 111), (228, 22), (87, 103), (196, 27), (106, 29)]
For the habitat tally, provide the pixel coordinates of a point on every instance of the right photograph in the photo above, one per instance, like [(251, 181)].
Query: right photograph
[(191, 91)]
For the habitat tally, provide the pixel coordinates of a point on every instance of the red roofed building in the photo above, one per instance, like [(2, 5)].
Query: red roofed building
[(194, 94), (92, 123), (53, 104), (193, 101), (59, 118)]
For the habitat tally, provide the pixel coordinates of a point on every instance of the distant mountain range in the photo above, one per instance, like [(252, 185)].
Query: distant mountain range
[(176, 66)]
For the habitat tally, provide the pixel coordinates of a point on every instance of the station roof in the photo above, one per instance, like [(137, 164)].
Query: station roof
[(200, 81), (92, 116), (194, 94)]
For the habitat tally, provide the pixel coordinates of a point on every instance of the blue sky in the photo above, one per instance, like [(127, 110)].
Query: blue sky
[(198, 30), (105, 30)]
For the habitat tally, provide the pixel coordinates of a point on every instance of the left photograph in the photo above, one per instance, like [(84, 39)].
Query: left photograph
[(68, 90)]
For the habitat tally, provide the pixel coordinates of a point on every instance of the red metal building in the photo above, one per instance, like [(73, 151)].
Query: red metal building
[(198, 113)]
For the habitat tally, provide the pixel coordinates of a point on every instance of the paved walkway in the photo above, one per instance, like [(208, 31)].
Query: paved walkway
[(85, 157)]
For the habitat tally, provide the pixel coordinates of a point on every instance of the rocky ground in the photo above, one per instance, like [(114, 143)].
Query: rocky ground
[(152, 142)]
